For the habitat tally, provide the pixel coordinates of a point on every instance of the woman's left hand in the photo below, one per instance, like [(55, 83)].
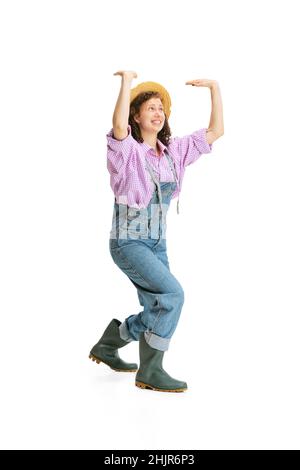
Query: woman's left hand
[(202, 82)]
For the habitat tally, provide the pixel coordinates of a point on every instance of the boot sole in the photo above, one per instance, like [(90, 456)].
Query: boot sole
[(150, 387), (97, 360)]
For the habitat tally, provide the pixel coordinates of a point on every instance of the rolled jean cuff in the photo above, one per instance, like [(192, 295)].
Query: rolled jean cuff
[(124, 333), (157, 342)]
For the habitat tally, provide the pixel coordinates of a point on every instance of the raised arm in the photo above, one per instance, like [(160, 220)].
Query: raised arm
[(121, 112), (216, 123)]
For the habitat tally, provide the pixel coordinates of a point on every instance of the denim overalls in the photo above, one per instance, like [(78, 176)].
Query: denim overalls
[(138, 247)]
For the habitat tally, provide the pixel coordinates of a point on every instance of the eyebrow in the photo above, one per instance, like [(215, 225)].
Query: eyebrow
[(152, 104)]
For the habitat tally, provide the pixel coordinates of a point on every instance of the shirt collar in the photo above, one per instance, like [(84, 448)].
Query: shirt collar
[(161, 146)]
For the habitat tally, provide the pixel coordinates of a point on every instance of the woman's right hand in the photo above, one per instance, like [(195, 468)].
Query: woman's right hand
[(128, 74)]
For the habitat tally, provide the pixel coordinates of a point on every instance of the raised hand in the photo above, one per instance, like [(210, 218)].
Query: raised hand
[(128, 74), (202, 82)]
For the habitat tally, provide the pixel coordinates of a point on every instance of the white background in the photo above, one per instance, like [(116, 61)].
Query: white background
[(236, 251)]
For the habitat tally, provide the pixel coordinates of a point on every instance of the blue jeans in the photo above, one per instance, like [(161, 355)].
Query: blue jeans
[(144, 260)]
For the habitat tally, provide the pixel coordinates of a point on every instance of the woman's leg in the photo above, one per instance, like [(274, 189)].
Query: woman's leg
[(161, 253), (159, 291)]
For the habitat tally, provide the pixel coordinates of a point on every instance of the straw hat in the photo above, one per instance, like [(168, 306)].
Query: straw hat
[(153, 86)]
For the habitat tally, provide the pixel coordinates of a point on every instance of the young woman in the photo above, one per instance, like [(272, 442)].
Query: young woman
[(146, 168)]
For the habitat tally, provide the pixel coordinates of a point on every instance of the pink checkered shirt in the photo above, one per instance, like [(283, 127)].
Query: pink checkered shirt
[(129, 179)]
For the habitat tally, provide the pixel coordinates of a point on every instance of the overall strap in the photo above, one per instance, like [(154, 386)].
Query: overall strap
[(156, 182), (172, 165)]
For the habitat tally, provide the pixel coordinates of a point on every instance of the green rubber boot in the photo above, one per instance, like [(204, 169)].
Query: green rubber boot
[(151, 374), (106, 350)]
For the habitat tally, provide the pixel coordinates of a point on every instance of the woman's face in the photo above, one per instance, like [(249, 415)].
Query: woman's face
[(151, 117)]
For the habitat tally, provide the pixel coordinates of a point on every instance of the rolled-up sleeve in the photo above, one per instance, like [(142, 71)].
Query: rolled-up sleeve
[(190, 147), (120, 153)]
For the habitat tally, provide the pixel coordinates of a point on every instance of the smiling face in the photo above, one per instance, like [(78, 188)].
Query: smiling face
[(151, 117)]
